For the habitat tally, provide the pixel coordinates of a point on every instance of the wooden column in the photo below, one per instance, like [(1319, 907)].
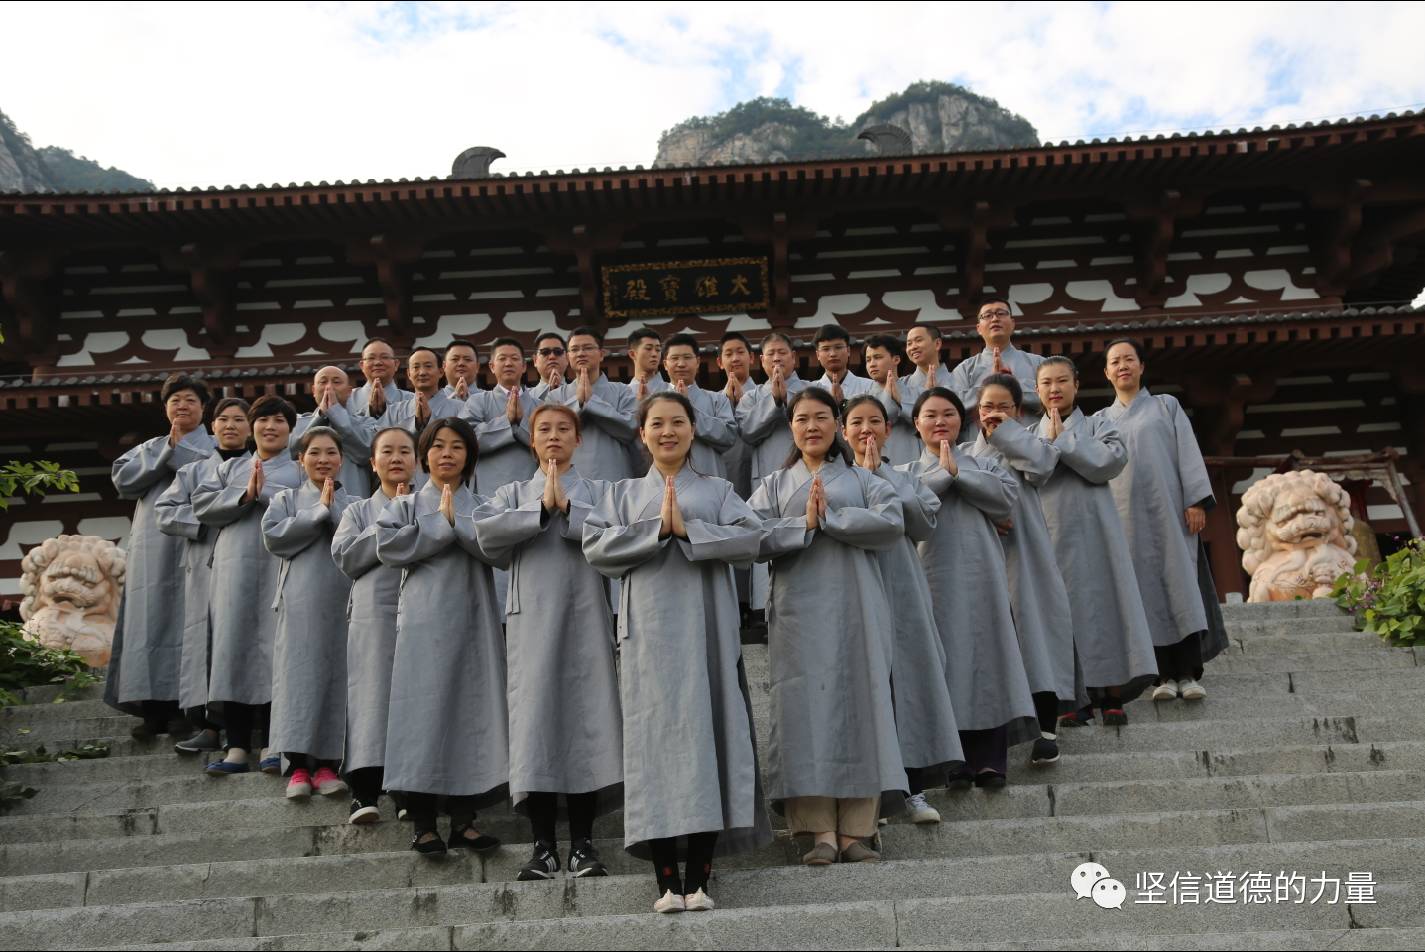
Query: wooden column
[(1410, 387), (585, 243), (970, 227), (212, 271), (1155, 223), (28, 288), (1220, 402), (392, 256), (779, 232)]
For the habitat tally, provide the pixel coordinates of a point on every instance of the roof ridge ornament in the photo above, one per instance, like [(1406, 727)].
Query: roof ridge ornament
[(888, 139), (474, 163)]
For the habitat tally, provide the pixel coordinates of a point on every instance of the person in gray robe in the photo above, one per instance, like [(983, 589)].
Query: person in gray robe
[(429, 400), (244, 579), (969, 588), (500, 417), (1163, 495), (923, 347), (379, 392), (996, 327), (1112, 645), (735, 361), (371, 624), (883, 355), (764, 427), (925, 715), (147, 649), (174, 511), (716, 431), (833, 352), (309, 648), (833, 721), (1036, 589), (606, 410), (447, 729), (332, 390), (691, 779), (566, 730)]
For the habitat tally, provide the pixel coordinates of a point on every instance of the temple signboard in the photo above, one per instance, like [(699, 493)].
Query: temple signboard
[(666, 288)]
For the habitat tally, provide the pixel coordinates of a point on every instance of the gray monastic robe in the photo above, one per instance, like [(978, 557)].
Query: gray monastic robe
[(737, 458), (1036, 589), (903, 444), (1165, 474), (174, 511), (715, 432), (148, 635), (965, 379), (690, 756), (607, 427), (504, 452), (765, 428), (244, 578), (448, 729), (925, 714), (370, 631), (566, 730), (1111, 638), (852, 385), (403, 413), (916, 381), (360, 399), (638, 458), (969, 587), (833, 720), (356, 431), (309, 650)]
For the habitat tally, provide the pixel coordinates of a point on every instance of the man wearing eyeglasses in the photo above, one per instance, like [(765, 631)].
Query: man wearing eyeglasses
[(551, 361), (378, 366), (605, 408), (996, 327)]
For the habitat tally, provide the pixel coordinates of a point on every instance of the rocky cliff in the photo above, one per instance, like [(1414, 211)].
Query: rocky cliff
[(23, 168), (940, 117)]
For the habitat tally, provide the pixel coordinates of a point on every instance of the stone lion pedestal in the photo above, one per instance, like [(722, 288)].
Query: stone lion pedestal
[(71, 586), (1294, 530)]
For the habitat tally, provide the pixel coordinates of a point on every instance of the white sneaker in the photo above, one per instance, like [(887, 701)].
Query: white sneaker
[(698, 902), (671, 902), (1192, 690), (920, 811), (1167, 691)]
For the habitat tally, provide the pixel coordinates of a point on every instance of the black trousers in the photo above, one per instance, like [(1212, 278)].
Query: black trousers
[(158, 714), (1046, 709), (423, 807), (543, 810), (1181, 661), (698, 863), (198, 717), (246, 723), (366, 784), (987, 749)]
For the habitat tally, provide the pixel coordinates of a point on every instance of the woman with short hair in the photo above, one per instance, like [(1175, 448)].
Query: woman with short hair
[(244, 580), (691, 783), (447, 728), (309, 651)]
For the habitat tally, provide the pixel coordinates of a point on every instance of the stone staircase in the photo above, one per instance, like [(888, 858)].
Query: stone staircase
[(1309, 757)]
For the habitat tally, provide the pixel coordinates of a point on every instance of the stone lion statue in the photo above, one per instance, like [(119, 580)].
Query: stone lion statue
[(1294, 530), (71, 586)]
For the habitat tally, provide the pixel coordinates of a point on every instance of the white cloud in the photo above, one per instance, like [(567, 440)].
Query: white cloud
[(201, 94)]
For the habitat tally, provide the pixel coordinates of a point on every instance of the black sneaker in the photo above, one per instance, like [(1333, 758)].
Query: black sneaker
[(1045, 752), (363, 813), (203, 740), (542, 865), (1114, 717), (584, 860), (959, 779)]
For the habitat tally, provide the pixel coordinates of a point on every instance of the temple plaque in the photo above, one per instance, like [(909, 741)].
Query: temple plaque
[(666, 288)]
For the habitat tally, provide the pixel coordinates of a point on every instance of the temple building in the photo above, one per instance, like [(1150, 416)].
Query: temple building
[(1270, 273)]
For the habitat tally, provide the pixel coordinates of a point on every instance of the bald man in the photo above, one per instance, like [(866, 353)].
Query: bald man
[(331, 388)]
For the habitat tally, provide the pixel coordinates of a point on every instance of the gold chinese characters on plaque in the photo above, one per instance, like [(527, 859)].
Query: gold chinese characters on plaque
[(662, 289)]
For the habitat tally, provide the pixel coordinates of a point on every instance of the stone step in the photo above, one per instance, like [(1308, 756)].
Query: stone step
[(1391, 860), (1302, 608), (1019, 801), (853, 905), (35, 713)]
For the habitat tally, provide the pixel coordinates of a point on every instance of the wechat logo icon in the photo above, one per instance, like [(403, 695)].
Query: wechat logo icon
[(1091, 881)]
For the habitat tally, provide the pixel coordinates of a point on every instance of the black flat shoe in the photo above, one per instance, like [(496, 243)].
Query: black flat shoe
[(431, 847), (482, 844), (990, 780), (960, 779)]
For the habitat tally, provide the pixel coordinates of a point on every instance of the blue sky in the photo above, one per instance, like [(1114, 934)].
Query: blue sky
[(226, 94)]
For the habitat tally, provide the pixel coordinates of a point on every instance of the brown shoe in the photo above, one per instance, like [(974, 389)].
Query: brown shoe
[(859, 853), (822, 854)]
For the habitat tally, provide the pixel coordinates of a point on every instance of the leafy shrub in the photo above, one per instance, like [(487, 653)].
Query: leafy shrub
[(25, 664), (1389, 599)]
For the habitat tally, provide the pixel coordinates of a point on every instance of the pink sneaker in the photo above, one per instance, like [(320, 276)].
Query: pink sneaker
[(300, 786), (327, 783)]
